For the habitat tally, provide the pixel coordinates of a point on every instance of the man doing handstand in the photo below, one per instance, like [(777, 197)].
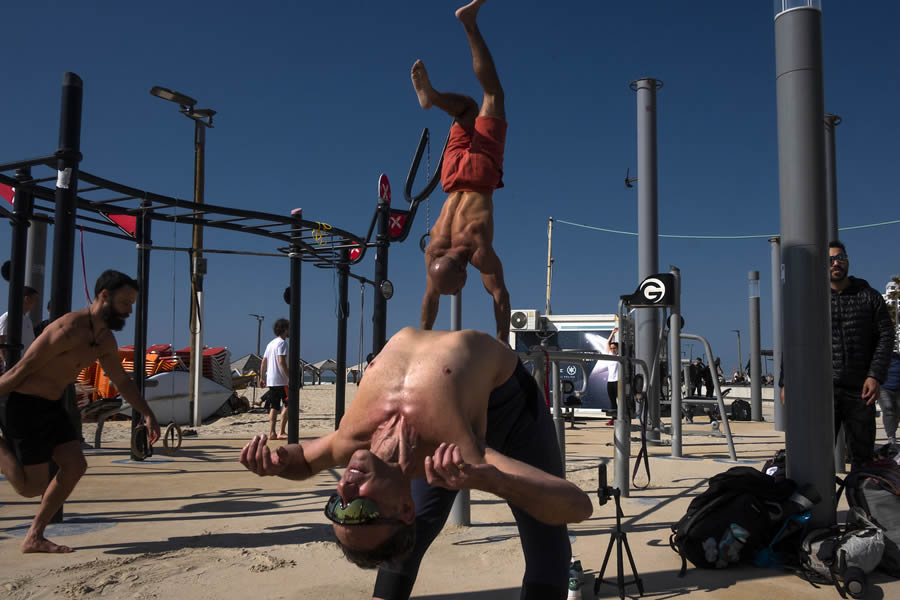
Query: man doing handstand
[(439, 411), (35, 425), (472, 170)]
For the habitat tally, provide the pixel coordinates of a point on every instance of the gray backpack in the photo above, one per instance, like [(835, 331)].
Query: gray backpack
[(843, 556)]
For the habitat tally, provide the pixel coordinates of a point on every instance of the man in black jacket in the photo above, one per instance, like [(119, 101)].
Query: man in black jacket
[(862, 337)]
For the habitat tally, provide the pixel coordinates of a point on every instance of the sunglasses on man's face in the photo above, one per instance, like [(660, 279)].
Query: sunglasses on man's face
[(360, 511), (837, 258)]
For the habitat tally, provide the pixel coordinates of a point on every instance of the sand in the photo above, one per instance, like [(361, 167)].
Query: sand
[(198, 525)]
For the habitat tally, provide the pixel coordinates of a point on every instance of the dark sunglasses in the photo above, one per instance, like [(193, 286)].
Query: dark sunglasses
[(837, 258), (360, 511)]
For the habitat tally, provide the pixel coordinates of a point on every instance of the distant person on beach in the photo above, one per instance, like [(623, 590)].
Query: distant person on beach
[(29, 299), (889, 400), (472, 170), (36, 427), (612, 377), (862, 337), (438, 412), (273, 373)]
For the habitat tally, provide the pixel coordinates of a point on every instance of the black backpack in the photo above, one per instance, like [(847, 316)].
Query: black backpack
[(737, 515)]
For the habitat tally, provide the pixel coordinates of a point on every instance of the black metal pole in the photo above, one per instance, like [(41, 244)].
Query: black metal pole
[(142, 233), (340, 383), (67, 158), (295, 375), (382, 242), (24, 205)]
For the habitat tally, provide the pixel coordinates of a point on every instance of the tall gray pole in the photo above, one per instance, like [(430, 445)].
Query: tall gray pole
[(777, 350), (755, 367), (549, 263), (807, 316), (646, 319), (831, 203), (198, 270), (675, 363), (461, 511), (831, 233), (35, 266)]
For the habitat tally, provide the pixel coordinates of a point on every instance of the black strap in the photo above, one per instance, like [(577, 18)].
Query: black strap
[(642, 418)]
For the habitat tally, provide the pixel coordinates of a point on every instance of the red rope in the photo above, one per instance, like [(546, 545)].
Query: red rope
[(87, 294)]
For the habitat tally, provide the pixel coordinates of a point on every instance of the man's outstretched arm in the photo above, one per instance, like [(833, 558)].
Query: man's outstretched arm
[(291, 461), (488, 263), (547, 498), (430, 303)]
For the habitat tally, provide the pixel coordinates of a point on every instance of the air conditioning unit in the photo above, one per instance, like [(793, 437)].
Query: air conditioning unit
[(525, 320)]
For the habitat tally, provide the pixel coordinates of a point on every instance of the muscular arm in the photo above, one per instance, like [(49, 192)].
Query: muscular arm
[(547, 498), (488, 263), (291, 461), (261, 380), (432, 299), (109, 360), (55, 341)]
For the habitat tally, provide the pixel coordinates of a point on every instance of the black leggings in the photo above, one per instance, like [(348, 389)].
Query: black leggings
[(519, 426), (859, 423)]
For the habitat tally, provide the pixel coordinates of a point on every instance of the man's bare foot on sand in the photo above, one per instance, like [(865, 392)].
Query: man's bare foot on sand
[(423, 87), (281, 436), (42, 544), (467, 13)]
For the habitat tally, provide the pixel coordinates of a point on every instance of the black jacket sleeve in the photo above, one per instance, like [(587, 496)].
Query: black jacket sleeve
[(881, 358)]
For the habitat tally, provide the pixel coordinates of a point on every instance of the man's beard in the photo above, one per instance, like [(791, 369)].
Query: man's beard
[(113, 319), (841, 276)]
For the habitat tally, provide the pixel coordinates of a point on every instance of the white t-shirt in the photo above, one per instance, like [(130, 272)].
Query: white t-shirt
[(277, 347), (27, 330), (612, 369)]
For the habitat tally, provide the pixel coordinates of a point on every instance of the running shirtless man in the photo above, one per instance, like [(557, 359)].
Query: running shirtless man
[(473, 169), (439, 411), (34, 423)]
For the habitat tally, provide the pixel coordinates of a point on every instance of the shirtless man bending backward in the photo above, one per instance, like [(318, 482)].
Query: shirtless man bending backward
[(435, 413), (36, 427)]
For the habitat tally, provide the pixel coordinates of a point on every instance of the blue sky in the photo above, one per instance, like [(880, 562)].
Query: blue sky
[(314, 102)]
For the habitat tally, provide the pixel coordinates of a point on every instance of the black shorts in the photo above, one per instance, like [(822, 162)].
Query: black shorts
[(275, 396), (520, 426), (34, 427)]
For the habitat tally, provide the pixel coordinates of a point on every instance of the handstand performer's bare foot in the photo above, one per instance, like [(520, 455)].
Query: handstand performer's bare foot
[(39, 543), (467, 13), (423, 87)]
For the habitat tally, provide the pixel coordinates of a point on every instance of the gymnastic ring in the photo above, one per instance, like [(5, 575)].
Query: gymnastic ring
[(173, 431), (140, 445), (422, 241)]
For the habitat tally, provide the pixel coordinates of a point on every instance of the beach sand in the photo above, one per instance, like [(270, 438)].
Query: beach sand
[(197, 525)]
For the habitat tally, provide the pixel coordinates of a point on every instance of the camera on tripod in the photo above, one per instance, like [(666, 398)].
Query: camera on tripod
[(604, 490)]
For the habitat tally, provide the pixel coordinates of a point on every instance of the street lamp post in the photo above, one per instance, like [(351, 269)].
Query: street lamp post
[(259, 320), (740, 359), (202, 118)]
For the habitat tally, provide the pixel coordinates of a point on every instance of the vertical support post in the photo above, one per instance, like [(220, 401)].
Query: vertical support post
[(646, 319), (22, 211), (777, 325), (831, 201), (675, 363), (549, 263), (755, 366), (340, 382), (35, 269), (622, 433), (807, 314), (198, 270), (382, 243), (295, 375), (68, 156), (558, 421), (461, 511), (144, 242)]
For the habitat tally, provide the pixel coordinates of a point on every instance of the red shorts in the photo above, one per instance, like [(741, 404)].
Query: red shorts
[(473, 160)]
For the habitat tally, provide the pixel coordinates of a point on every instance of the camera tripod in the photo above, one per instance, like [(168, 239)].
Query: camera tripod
[(617, 537)]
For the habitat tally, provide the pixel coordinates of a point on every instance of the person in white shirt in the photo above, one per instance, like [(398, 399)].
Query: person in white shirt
[(30, 300), (274, 375), (612, 378)]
